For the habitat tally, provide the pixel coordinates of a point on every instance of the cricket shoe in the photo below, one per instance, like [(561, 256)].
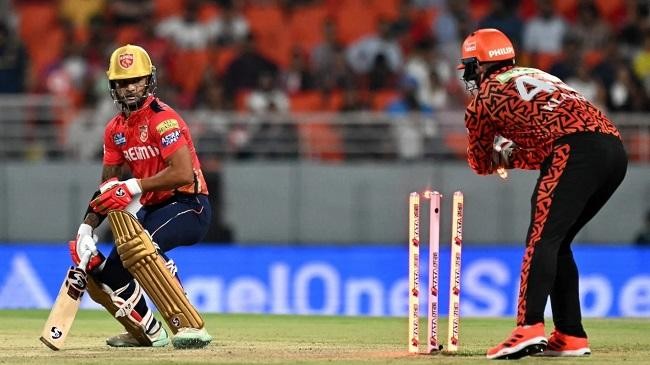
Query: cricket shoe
[(523, 341), (560, 344), (191, 338), (127, 340)]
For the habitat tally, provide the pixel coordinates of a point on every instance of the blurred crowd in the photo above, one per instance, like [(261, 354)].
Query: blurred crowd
[(263, 56), (303, 55)]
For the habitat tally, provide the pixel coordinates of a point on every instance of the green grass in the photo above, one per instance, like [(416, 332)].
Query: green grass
[(255, 339)]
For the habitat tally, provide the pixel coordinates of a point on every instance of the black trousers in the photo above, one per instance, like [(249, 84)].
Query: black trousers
[(575, 182)]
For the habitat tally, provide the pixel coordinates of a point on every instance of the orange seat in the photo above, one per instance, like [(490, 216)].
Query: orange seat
[(382, 98), (306, 26), (527, 9), (43, 57), (222, 57), (388, 9), (273, 38), (36, 19), (544, 61), (263, 18), (187, 69), (208, 11), (240, 99), (304, 101), (613, 11), (166, 8), (316, 101), (353, 21), (331, 101), (566, 8), (478, 9), (128, 34), (592, 58)]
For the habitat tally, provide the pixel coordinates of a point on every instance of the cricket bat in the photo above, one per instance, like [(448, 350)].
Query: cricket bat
[(65, 307)]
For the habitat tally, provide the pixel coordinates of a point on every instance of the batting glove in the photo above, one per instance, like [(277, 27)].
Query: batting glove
[(85, 244), (116, 197)]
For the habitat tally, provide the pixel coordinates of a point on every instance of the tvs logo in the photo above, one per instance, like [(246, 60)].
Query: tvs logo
[(144, 133), (55, 333), (126, 60)]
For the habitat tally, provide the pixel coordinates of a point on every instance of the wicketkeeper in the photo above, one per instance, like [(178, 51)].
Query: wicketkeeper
[(525, 118), (153, 141)]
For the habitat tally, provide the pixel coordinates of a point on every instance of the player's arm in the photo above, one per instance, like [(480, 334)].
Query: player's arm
[(110, 174), (480, 135), (178, 172), (86, 241)]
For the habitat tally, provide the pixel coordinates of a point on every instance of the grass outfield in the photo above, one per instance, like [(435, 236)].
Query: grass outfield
[(255, 339)]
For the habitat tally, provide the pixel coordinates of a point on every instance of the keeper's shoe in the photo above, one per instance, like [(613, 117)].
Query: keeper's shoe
[(127, 340), (560, 344), (523, 341), (191, 338)]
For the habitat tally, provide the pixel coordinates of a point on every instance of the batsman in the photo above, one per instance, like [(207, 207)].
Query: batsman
[(163, 206)]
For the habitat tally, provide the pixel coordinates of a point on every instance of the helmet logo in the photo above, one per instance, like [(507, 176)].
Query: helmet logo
[(126, 60), (470, 47), (500, 52)]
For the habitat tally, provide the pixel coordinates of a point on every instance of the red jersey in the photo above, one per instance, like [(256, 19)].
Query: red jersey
[(143, 141), (533, 109)]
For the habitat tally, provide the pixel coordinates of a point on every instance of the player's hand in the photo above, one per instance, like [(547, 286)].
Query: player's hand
[(117, 196), (108, 184), (501, 152), (85, 244)]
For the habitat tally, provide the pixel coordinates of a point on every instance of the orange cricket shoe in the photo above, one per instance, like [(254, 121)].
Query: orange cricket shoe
[(560, 344), (523, 341)]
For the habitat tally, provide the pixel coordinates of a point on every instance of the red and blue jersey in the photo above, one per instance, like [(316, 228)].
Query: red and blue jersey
[(145, 139)]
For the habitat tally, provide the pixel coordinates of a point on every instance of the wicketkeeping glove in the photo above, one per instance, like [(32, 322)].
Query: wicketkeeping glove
[(502, 149), (117, 196)]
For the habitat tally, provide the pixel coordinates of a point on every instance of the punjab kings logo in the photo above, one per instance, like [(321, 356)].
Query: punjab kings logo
[(126, 60), (144, 133)]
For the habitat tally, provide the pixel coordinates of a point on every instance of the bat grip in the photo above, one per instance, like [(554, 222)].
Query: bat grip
[(83, 262)]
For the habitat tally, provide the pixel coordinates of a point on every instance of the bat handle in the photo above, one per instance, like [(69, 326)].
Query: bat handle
[(83, 262)]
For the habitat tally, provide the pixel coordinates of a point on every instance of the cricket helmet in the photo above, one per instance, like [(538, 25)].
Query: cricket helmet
[(486, 45), (483, 46), (129, 62)]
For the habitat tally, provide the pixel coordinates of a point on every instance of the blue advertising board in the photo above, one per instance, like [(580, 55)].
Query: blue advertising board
[(349, 280)]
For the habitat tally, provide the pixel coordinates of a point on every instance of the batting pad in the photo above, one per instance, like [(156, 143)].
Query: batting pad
[(139, 256), (103, 298)]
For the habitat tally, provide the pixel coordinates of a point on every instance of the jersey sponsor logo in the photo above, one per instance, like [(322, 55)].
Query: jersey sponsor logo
[(167, 125), (119, 139), (144, 133), (171, 138), (140, 153), (126, 60), (500, 52)]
